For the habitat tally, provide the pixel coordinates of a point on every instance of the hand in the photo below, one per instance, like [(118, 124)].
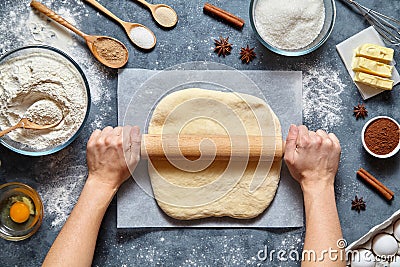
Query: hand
[(312, 157), (112, 153)]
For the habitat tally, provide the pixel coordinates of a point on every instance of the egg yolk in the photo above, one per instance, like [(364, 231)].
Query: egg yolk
[(19, 212)]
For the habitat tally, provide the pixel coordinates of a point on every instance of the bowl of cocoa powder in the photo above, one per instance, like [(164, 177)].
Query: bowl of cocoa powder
[(381, 137)]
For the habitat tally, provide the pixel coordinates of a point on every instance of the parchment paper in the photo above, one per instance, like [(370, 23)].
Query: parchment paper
[(137, 209)]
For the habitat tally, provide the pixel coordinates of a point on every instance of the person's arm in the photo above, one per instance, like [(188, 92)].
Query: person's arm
[(313, 159), (110, 155)]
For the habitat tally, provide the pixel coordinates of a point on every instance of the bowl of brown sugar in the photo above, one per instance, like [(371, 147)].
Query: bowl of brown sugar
[(381, 137)]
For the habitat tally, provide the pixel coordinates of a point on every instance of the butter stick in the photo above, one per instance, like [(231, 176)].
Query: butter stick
[(373, 81), (375, 52), (363, 64)]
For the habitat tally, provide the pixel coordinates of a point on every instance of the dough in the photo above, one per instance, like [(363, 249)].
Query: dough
[(186, 190)]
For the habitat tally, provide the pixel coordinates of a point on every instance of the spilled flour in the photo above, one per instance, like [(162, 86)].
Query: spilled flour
[(61, 194), (322, 105), (33, 28), (20, 25)]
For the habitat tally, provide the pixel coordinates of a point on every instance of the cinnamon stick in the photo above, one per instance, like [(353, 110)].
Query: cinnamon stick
[(376, 184), (223, 15)]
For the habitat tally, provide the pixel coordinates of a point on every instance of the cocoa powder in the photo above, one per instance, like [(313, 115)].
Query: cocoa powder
[(382, 136)]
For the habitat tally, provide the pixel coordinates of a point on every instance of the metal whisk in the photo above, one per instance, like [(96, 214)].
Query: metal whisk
[(386, 26)]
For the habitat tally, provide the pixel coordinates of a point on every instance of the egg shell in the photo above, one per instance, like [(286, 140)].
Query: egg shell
[(362, 258), (396, 262), (384, 245), (396, 230), (382, 264)]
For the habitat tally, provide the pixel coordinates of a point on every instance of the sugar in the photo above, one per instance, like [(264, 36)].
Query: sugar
[(289, 24), (143, 37)]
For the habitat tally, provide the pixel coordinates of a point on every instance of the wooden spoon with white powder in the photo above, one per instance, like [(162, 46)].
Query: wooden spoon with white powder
[(109, 51), (43, 114)]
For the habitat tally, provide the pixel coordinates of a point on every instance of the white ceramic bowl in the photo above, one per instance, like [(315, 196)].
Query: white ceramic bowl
[(363, 140)]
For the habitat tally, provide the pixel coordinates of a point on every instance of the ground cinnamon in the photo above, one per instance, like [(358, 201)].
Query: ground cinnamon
[(382, 136), (223, 15), (110, 50), (375, 183)]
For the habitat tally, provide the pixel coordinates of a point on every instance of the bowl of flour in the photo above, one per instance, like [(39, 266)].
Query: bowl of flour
[(292, 27), (45, 85)]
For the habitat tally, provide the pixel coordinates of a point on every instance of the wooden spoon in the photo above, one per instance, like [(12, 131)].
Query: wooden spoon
[(139, 34), (27, 124), (114, 59), (164, 15)]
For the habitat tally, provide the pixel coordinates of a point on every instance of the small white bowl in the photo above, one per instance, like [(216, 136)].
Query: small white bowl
[(365, 146)]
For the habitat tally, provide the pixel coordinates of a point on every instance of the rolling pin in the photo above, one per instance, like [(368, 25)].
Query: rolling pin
[(221, 147)]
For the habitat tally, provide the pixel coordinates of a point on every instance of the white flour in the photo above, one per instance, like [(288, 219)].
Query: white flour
[(45, 31), (321, 97), (26, 79), (289, 24), (29, 28), (44, 112), (60, 190)]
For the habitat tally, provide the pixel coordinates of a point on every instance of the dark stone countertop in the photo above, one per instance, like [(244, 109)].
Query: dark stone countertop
[(60, 177)]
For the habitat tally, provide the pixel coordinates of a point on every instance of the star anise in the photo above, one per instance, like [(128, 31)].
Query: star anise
[(360, 111), (222, 46), (358, 204), (247, 54)]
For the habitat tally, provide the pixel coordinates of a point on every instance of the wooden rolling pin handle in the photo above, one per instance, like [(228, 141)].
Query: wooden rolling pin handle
[(253, 148)]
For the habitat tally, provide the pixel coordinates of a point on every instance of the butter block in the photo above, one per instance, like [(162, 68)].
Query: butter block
[(372, 67), (373, 81), (375, 52)]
